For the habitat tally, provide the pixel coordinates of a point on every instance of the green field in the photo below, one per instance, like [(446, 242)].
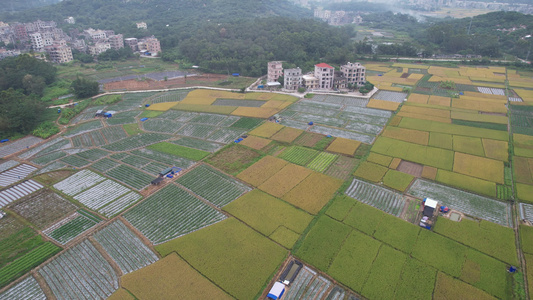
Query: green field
[(370, 171), (299, 155), (233, 256), (385, 274), (417, 280), (397, 180), (18, 244)]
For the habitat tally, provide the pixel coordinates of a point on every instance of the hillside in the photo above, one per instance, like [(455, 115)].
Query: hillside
[(15, 5)]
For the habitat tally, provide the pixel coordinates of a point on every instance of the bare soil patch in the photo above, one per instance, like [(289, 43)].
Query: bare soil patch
[(410, 168), (234, 159)]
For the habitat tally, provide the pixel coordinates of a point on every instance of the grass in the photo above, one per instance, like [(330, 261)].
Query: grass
[(132, 129), (313, 192), (370, 171), (448, 287), (158, 281), (385, 274), (484, 236), (181, 151), (230, 254), (417, 280), (466, 182), (354, 260), (234, 158), (479, 167), (267, 214), (325, 231), (440, 252), (397, 180)]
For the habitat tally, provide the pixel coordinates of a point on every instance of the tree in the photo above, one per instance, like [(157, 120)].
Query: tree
[(33, 84), (84, 88), (19, 113)]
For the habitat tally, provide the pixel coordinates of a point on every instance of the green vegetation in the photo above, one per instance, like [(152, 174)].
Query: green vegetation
[(417, 280), (189, 153), (340, 207), (68, 113), (18, 244), (397, 180), (526, 238), (385, 274), (84, 88), (461, 181), (107, 100), (397, 233), (229, 250), (299, 155), (132, 129), (370, 171), (364, 218), (487, 274)]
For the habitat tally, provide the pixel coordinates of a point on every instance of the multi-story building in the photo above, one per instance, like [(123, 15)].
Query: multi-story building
[(310, 82), (59, 52), (48, 38), (275, 70), (292, 78), (37, 42), (141, 25), (355, 73), (324, 73), (99, 47), (152, 45), (21, 33), (79, 45), (116, 41), (70, 20), (339, 81), (96, 34), (133, 43)]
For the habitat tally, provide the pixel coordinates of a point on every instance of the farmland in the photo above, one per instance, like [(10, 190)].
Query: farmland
[(72, 226)]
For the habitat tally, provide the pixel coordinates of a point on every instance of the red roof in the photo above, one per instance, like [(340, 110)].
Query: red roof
[(324, 65)]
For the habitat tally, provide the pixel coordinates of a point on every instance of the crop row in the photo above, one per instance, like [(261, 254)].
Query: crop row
[(368, 139), (136, 161), (115, 207), (176, 115), (113, 133), (322, 161), (8, 165), (154, 168), (101, 194), (126, 249), (170, 97), (18, 191), (93, 154), (130, 176), (136, 141), (378, 197), (162, 125), (26, 289), (197, 144), (75, 161), (82, 128), (226, 135), (78, 182), (64, 232), (170, 213), (104, 164), (47, 158), (56, 165), (27, 262), (16, 174), (299, 155), (37, 149), (164, 158), (80, 273), (200, 131), (18, 145), (213, 185)]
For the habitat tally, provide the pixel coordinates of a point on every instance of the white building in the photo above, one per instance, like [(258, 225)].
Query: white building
[(324, 73), (275, 70), (292, 78), (99, 47), (355, 73), (37, 42), (142, 25)]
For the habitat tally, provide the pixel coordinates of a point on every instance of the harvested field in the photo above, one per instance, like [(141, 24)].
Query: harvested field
[(267, 129), (310, 139), (230, 247), (313, 192), (343, 146), (43, 208), (255, 142), (287, 135), (147, 283), (411, 168), (233, 159), (342, 168)]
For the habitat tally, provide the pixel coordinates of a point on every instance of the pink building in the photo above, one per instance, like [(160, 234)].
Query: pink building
[(275, 70)]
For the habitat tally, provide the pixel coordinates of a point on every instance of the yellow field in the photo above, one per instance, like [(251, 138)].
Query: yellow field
[(285, 180), (255, 112), (461, 80), (205, 108), (488, 79), (395, 163), (379, 159), (479, 167), (262, 170), (481, 98), (343, 146), (485, 96), (496, 149), (524, 192), (378, 67), (424, 117), (410, 66), (287, 134), (121, 294), (313, 193), (267, 129), (382, 104), (521, 82), (258, 96), (418, 98), (467, 144), (377, 79), (162, 106), (448, 287), (490, 84), (476, 117), (439, 113), (255, 142), (429, 172), (416, 76), (526, 95), (407, 135), (479, 105), (522, 140), (388, 87), (438, 100), (395, 121), (160, 281), (274, 104)]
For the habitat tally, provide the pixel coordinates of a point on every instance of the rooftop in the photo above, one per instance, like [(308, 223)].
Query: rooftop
[(324, 65)]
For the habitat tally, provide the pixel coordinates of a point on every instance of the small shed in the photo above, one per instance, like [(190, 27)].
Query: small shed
[(158, 180), (273, 84), (276, 291), (165, 172), (429, 207)]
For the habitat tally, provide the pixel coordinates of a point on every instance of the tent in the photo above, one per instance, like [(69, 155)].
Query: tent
[(276, 291)]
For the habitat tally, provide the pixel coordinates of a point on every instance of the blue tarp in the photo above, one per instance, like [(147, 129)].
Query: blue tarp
[(235, 74), (310, 123), (4, 140), (147, 105), (144, 119), (260, 86)]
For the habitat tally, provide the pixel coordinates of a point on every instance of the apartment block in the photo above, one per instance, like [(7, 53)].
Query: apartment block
[(99, 47), (37, 42), (324, 73), (116, 41), (152, 45), (275, 70), (355, 73), (59, 52), (292, 78), (310, 82), (133, 43), (20, 31), (96, 34)]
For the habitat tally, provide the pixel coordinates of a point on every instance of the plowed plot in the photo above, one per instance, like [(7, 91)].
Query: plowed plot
[(313, 192), (308, 139), (285, 180), (43, 208), (262, 170), (234, 159), (342, 168), (411, 168)]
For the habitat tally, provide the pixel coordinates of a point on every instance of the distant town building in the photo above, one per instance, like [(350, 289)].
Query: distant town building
[(152, 45), (133, 43), (292, 78), (116, 41), (354, 73), (37, 42), (142, 25), (59, 52), (99, 47), (324, 73), (21, 33), (79, 45), (96, 35), (70, 20), (275, 70), (339, 81), (310, 82)]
